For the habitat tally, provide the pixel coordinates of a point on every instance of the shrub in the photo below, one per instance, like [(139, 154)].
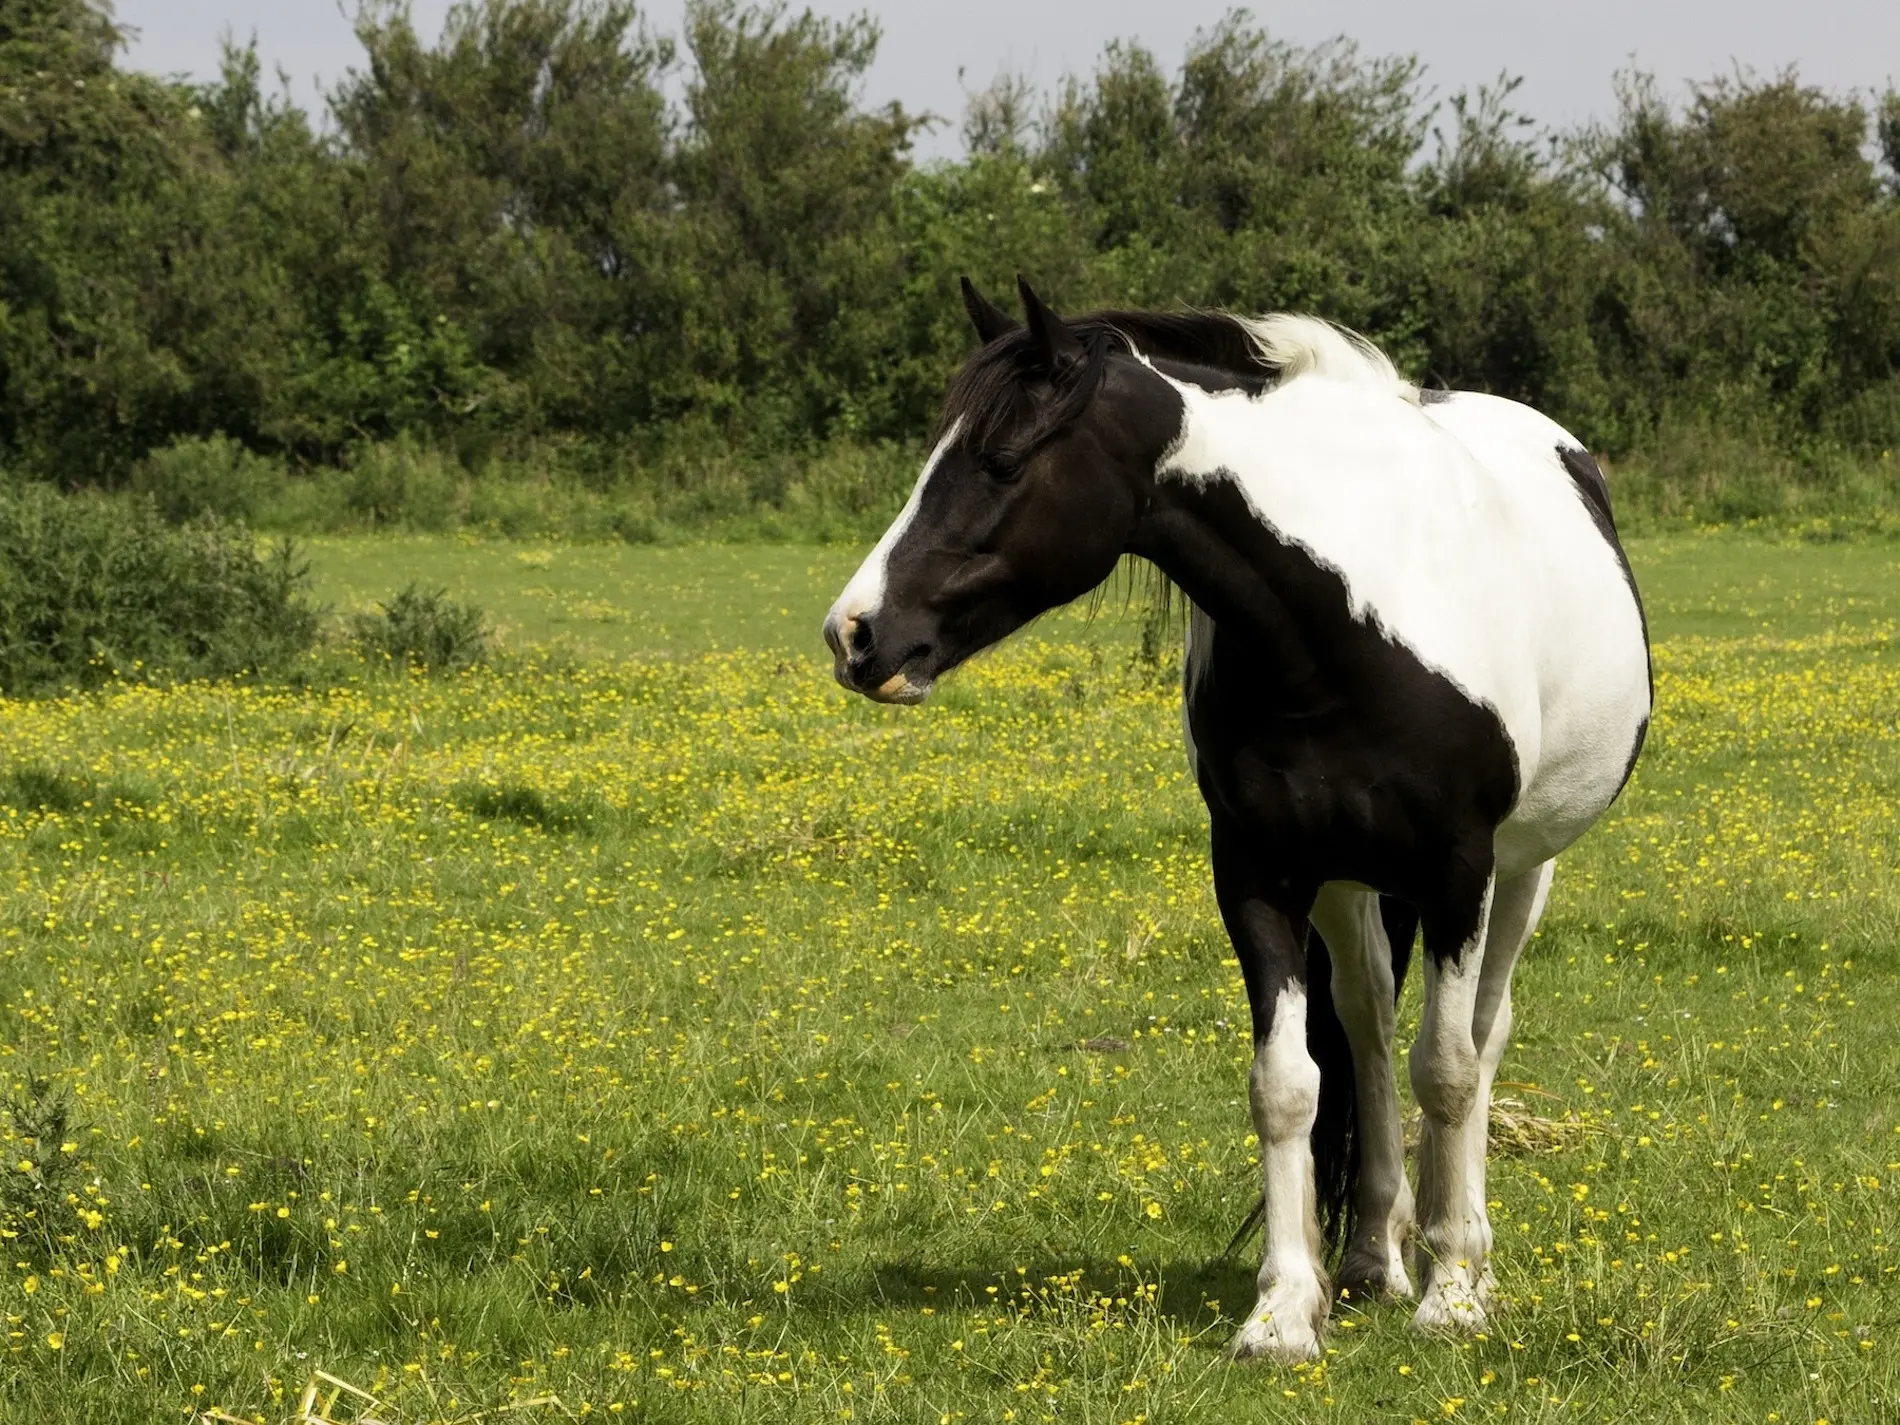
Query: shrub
[(92, 588), (424, 628), (403, 483), (193, 478), (1698, 470)]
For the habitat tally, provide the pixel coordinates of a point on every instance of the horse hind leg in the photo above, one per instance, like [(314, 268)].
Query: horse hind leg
[(1452, 1240), (1364, 1000), (1462, 1034), (1515, 911)]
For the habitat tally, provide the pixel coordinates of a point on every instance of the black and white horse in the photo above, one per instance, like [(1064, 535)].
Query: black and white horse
[(1416, 671)]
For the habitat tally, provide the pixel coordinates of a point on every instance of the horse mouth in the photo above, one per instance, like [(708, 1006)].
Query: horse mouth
[(905, 686), (900, 689)]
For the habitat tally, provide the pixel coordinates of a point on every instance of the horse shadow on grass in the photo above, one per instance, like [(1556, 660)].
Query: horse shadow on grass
[(1199, 1293)]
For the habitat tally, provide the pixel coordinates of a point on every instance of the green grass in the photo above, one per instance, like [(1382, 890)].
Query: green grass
[(620, 600), (602, 600), (648, 1024)]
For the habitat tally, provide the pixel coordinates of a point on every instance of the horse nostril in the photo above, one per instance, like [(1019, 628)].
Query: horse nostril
[(861, 635)]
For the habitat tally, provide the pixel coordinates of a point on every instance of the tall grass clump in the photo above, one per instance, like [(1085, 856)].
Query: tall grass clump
[(42, 1173), (424, 628), (94, 588)]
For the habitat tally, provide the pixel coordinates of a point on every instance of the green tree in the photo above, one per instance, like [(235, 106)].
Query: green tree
[(789, 205)]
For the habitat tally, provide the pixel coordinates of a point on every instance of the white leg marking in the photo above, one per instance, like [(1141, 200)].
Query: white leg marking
[(1452, 1240), (1515, 911), (1285, 1322), (1347, 918)]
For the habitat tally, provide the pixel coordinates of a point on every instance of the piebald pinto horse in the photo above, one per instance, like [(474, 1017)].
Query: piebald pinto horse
[(1417, 669)]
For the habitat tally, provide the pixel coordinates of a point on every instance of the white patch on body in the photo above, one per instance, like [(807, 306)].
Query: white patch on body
[(1285, 1322), (1459, 534), (1592, 665)]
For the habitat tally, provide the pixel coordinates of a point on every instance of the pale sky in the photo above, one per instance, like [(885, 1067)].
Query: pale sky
[(1566, 53)]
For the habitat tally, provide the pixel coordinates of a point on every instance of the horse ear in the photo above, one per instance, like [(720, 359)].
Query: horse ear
[(1054, 340), (991, 321)]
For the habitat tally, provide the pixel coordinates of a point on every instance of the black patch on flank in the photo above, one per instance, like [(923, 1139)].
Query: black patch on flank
[(1433, 396), (1328, 748), (1588, 477)]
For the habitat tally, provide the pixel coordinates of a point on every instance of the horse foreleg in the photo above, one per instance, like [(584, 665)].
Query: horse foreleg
[(1285, 1322)]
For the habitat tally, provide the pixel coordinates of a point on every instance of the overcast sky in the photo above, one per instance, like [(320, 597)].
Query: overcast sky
[(1566, 53)]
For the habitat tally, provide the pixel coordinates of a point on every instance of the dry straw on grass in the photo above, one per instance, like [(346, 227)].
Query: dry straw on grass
[(1516, 1131)]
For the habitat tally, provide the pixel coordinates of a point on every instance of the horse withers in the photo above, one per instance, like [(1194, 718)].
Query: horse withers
[(1416, 671)]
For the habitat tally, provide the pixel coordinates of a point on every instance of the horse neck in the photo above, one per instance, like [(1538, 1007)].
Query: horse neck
[(1213, 547), (1229, 484)]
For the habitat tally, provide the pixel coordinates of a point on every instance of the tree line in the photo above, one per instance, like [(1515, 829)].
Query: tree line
[(551, 225)]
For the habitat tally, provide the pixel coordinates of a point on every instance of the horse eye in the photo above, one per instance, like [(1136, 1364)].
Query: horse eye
[(1001, 468)]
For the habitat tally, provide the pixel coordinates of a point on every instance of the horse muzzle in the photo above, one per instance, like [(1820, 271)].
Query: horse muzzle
[(859, 664)]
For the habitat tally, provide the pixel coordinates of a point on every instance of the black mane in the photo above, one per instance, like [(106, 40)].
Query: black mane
[(989, 392)]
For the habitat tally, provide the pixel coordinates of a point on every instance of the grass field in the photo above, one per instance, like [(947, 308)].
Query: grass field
[(644, 1028)]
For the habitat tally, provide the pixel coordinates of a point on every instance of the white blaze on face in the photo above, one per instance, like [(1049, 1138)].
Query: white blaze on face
[(865, 593)]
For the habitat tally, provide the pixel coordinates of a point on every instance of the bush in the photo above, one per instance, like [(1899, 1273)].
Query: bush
[(1703, 471), (424, 628), (92, 588), (593, 490), (190, 479), (403, 483)]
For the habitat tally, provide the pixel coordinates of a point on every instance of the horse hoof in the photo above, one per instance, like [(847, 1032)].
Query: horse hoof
[(1449, 1312), (1365, 1278), (1283, 1345)]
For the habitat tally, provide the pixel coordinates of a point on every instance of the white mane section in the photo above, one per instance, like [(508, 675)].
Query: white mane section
[(1310, 346)]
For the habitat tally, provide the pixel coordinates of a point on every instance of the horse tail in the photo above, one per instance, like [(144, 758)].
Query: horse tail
[(1336, 1124)]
